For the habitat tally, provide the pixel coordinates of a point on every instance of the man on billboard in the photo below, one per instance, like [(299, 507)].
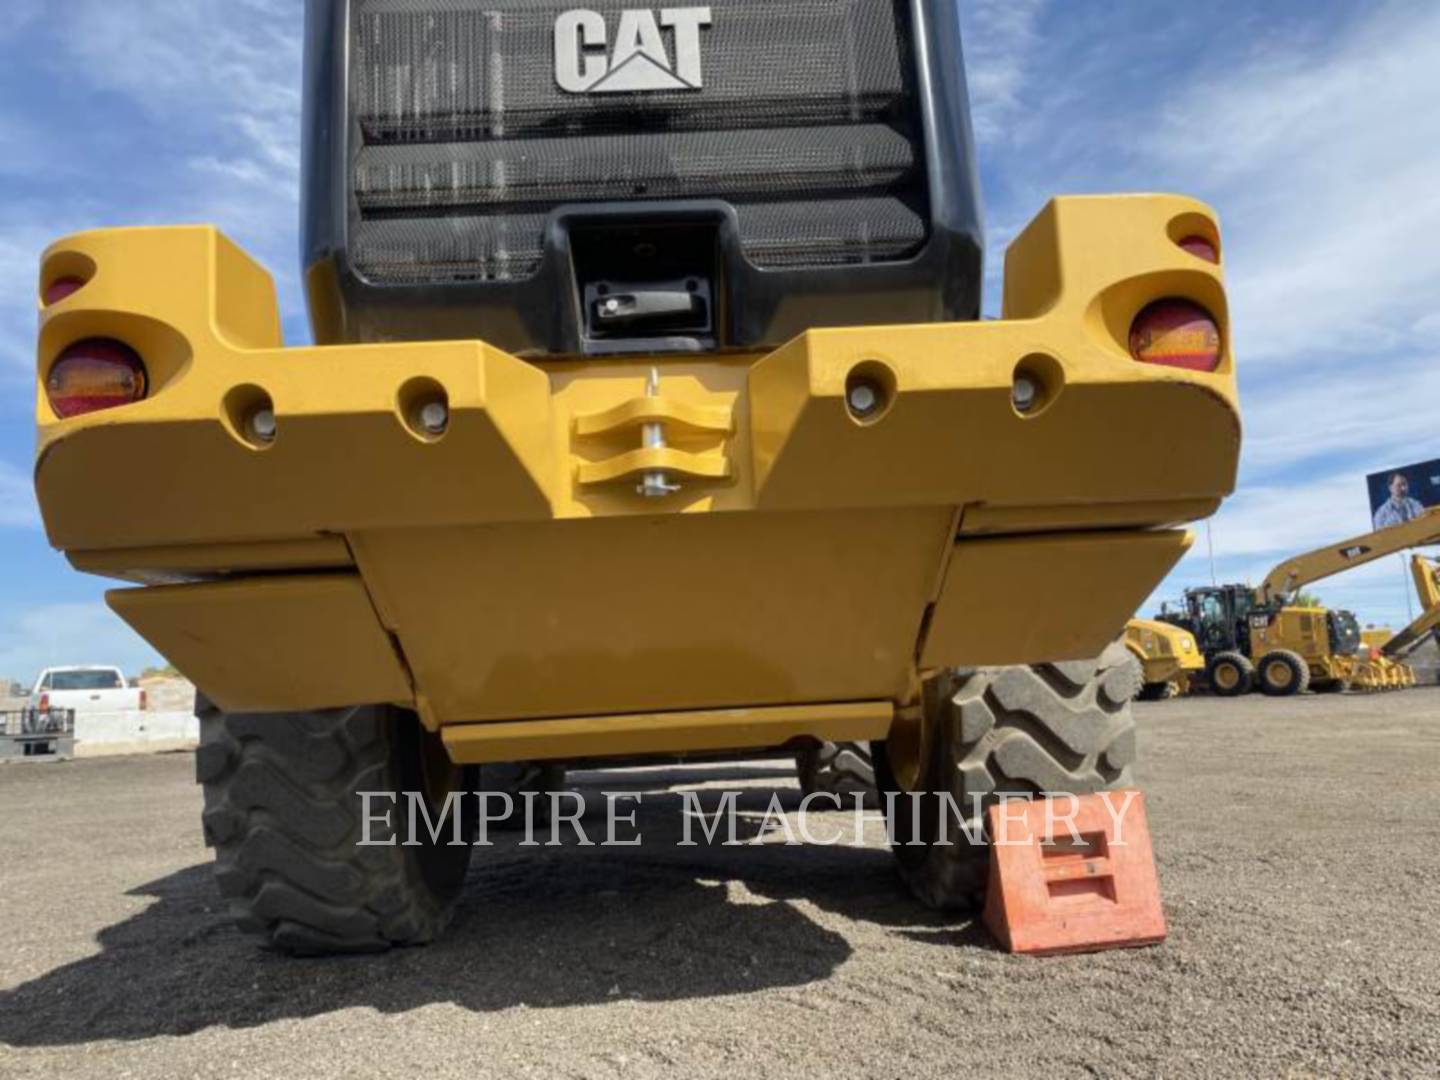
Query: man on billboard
[(1400, 507)]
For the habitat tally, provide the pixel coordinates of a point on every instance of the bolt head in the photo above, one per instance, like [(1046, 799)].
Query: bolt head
[(262, 424), (863, 399), (434, 417), (1024, 393)]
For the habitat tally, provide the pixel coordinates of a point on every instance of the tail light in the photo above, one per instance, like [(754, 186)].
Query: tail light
[(1176, 333), (60, 288), (1201, 248), (44, 702), (143, 699), (95, 374)]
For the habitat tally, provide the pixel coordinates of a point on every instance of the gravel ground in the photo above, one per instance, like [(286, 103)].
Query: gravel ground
[(1299, 851)]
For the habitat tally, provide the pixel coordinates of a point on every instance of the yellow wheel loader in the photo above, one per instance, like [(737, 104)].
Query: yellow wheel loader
[(1169, 658), (650, 414)]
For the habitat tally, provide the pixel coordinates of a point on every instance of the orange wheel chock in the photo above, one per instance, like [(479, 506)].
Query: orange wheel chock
[(1072, 874)]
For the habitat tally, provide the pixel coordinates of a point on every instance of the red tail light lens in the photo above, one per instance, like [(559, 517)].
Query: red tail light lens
[(95, 374), (1176, 333), (60, 288), (44, 702), (1201, 248)]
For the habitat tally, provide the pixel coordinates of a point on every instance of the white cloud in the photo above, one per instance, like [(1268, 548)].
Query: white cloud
[(1000, 38), (34, 638), (1283, 520), (17, 499), (20, 249), (220, 82), (206, 100), (1323, 158), (19, 14), (1369, 412)]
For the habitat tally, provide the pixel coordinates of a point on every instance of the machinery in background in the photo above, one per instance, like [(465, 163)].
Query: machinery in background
[(1376, 637), (37, 735), (1426, 573), (1169, 657), (1256, 638), (1279, 649)]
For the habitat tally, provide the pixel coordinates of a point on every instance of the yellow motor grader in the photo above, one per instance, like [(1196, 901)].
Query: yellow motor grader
[(650, 413)]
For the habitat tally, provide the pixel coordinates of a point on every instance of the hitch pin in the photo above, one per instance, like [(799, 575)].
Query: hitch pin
[(656, 483)]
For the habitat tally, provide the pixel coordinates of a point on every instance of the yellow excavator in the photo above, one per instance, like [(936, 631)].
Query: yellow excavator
[(1426, 573), (1258, 638)]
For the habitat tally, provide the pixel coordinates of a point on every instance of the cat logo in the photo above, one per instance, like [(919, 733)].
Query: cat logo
[(639, 62), (1355, 552)]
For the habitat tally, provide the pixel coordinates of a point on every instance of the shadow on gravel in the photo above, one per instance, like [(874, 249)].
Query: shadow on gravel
[(540, 927)]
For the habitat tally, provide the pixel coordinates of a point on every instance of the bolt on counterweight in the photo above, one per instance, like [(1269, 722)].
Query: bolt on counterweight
[(863, 399), (262, 424), (1024, 393), (435, 417)]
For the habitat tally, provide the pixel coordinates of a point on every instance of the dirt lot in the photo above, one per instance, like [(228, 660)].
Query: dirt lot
[(1299, 849)]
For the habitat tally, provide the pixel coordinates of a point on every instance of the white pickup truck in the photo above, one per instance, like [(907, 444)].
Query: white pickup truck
[(86, 690)]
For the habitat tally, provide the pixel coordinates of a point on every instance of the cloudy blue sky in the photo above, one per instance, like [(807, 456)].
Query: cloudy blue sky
[(1311, 125)]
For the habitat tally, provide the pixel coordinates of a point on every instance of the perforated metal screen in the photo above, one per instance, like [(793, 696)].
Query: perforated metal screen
[(803, 120)]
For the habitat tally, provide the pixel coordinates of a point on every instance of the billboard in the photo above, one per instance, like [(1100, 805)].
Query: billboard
[(1398, 495)]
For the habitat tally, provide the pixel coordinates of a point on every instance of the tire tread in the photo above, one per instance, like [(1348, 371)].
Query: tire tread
[(282, 814)]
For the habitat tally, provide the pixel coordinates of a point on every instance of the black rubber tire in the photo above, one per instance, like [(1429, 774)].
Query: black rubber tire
[(838, 768), (1245, 674), (516, 778), (1157, 691), (283, 815), (1013, 730), (1298, 671)]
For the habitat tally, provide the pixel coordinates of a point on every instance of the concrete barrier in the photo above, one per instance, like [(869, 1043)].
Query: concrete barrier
[(132, 732)]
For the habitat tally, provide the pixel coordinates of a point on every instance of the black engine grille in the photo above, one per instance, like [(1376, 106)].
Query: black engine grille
[(805, 124)]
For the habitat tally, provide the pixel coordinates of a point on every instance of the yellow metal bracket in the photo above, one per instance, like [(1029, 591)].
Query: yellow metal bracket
[(644, 410), (702, 466), (655, 419)]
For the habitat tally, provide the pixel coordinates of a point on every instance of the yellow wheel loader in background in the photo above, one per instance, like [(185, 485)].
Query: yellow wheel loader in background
[(650, 414), (1255, 638), (1168, 655)]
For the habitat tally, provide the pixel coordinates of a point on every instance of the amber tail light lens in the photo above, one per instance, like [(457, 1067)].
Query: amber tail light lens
[(95, 374), (1176, 333)]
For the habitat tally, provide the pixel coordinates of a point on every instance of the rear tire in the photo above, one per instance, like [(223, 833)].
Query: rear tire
[(1050, 728), (1283, 673), (840, 769), (1230, 674), (1158, 691), (283, 815)]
